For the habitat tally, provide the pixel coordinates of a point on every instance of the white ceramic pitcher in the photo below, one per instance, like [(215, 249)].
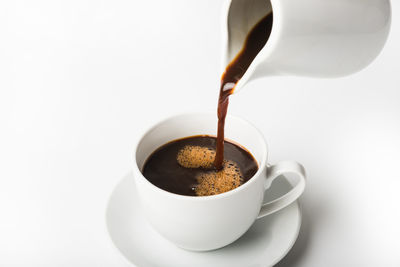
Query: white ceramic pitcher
[(316, 38)]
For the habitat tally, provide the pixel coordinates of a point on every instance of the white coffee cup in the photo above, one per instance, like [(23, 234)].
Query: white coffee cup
[(210, 222)]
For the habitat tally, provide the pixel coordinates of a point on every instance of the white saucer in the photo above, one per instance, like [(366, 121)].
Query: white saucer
[(265, 244)]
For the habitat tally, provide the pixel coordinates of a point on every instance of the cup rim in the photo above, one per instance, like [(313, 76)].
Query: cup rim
[(263, 161)]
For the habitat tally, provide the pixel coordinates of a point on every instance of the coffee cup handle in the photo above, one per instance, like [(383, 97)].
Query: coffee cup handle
[(281, 168)]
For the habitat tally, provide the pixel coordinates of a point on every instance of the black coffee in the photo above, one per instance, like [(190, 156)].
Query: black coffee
[(255, 41), (205, 165), (186, 167)]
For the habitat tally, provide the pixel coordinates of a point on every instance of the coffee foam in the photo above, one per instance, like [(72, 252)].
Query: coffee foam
[(217, 182), (196, 157), (210, 182)]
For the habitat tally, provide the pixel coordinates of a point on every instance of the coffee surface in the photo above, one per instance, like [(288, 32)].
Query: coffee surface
[(255, 41), (186, 167)]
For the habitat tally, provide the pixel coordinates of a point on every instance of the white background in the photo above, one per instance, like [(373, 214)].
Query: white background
[(80, 79)]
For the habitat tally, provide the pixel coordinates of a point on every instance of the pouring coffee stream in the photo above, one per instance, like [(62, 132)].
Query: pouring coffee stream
[(255, 41)]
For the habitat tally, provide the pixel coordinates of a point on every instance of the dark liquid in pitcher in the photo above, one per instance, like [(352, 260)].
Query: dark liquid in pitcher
[(255, 41), (186, 167)]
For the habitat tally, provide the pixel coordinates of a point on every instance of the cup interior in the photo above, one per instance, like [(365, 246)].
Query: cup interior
[(236, 129)]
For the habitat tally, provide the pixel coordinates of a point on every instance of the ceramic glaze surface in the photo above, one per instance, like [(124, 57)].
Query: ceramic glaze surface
[(264, 244), (314, 38)]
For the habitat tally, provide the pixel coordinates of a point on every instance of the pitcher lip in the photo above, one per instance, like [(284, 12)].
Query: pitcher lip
[(263, 162), (275, 31)]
